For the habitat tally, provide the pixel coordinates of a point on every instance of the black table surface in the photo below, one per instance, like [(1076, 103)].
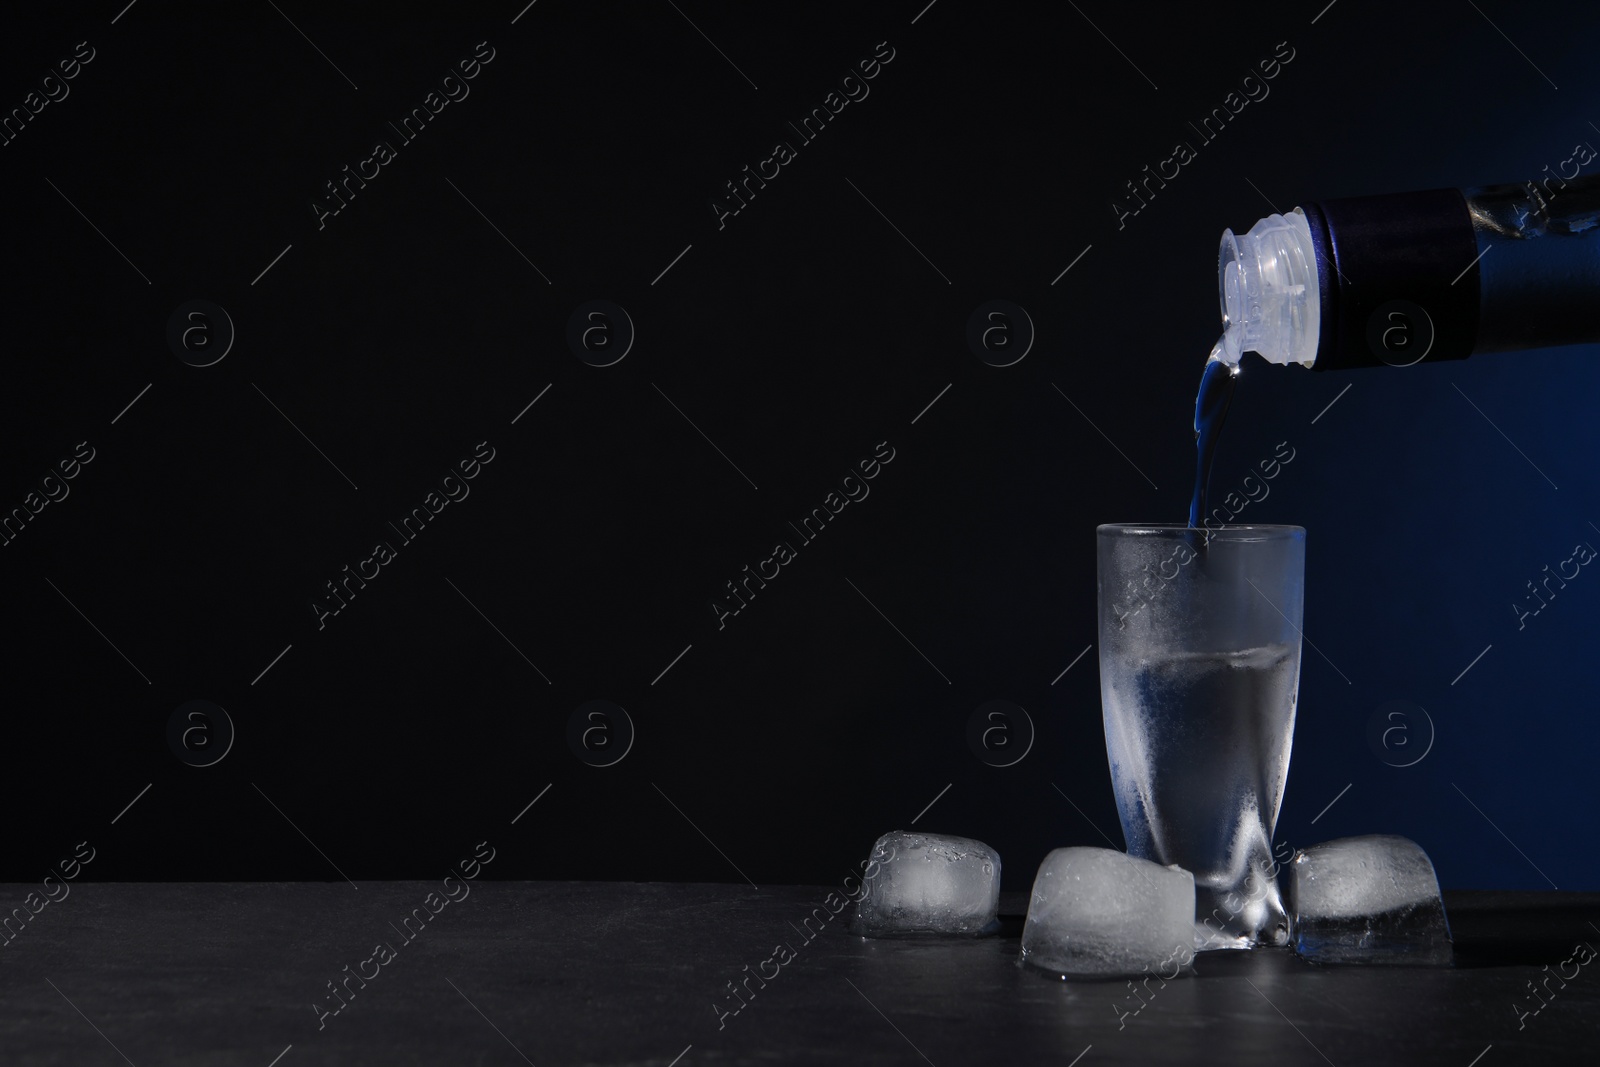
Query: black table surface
[(639, 973)]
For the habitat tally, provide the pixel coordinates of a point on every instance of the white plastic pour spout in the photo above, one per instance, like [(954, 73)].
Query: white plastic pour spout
[(1271, 302)]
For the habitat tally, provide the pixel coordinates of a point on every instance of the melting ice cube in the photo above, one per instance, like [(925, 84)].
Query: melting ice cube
[(929, 884), (1099, 912), (1371, 899)]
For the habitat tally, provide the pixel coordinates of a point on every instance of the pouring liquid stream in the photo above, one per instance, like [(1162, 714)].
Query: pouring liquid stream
[(1210, 410)]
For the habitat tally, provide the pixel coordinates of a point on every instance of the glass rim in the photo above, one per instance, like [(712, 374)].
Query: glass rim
[(1263, 531)]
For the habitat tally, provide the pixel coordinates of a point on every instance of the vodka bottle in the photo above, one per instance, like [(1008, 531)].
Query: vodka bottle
[(1397, 279)]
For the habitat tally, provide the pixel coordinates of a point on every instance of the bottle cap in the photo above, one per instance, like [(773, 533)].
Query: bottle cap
[(1267, 282)]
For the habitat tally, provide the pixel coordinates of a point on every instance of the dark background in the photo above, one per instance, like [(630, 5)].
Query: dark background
[(796, 339)]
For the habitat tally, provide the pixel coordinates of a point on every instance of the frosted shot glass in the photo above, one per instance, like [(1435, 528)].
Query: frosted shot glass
[(1199, 675)]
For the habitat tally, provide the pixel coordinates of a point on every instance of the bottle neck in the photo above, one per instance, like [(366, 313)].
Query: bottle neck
[(1538, 245), (1397, 279)]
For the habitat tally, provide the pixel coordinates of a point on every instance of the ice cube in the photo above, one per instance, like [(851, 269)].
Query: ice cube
[(920, 884), (1371, 899), (1095, 911)]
